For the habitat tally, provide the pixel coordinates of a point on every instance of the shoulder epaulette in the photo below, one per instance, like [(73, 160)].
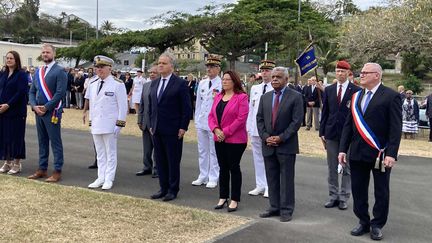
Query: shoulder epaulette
[(94, 80), (118, 80)]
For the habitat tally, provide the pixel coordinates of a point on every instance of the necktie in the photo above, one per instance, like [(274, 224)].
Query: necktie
[(368, 98), (275, 108), (100, 86), (264, 89), (45, 70), (210, 84), (339, 95), (161, 89)]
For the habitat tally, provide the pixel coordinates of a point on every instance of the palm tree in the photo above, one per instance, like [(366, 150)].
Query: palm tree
[(107, 27)]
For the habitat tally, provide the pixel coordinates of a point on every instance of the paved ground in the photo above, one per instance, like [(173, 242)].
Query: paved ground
[(411, 189)]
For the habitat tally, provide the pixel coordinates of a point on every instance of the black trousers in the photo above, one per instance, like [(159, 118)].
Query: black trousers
[(360, 176), (229, 156), (168, 152), (280, 171)]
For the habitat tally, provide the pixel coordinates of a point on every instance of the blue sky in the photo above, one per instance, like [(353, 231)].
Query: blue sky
[(132, 14)]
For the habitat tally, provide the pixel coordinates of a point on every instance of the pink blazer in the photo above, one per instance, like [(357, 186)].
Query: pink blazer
[(233, 122)]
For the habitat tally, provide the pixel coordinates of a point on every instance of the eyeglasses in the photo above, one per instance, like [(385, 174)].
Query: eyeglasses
[(366, 73)]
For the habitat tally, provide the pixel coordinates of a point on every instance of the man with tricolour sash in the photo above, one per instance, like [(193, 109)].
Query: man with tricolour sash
[(373, 133), (45, 97)]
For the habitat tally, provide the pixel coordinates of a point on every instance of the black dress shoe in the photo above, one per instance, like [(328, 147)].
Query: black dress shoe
[(230, 210), (331, 204), (169, 197), (220, 206), (343, 205), (143, 172), (285, 218), (155, 175), (360, 230), (158, 195), (376, 234), (93, 166), (269, 214)]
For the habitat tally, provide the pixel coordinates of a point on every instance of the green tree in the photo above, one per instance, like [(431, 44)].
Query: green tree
[(402, 26), (411, 82), (107, 28), (417, 63), (245, 27)]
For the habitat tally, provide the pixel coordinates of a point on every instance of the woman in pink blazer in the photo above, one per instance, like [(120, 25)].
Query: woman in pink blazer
[(227, 120)]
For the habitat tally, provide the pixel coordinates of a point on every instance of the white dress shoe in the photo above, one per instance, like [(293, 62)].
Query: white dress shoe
[(199, 182), (6, 167), (96, 184), (211, 184), (257, 191), (16, 168), (266, 192), (107, 185)]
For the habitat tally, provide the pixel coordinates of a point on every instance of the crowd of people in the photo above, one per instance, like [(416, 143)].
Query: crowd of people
[(360, 125)]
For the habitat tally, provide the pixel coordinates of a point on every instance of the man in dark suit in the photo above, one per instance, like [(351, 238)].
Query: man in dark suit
[(313, 104), (372, 132), (279, 117), (170, 112), (336, 106), (427, 104), (144, 125), (429, 114), (46, 103)]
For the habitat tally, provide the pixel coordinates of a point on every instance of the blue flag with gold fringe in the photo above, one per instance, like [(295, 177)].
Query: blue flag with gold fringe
[(307, 60)]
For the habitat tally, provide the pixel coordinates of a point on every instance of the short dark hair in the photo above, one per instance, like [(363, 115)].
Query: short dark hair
[(17, 60), (238, 89), (252, 75)]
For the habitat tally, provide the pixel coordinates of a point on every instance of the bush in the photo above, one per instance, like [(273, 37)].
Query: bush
[(411, 82)]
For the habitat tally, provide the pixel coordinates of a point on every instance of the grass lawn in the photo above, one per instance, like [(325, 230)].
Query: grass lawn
[(310, 143), (33, 211)]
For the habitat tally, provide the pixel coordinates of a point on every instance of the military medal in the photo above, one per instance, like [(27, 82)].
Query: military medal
[(348, 104)]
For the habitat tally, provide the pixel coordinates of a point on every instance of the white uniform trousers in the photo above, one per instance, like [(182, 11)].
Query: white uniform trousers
[(260, 174), (106, 151), (208, 163)]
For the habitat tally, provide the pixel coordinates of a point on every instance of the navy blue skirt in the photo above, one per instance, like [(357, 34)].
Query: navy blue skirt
[(12, 133)]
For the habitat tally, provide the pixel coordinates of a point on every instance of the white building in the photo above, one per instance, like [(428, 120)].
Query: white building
[(29, 53)]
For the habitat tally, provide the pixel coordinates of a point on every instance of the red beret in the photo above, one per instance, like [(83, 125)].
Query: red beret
[(343, 65)]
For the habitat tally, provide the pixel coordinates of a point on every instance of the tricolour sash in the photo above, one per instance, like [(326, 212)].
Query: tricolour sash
[(40, 78), (365, 132)]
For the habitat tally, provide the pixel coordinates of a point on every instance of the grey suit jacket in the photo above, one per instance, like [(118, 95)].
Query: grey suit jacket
[(288, 122), (143, 117)]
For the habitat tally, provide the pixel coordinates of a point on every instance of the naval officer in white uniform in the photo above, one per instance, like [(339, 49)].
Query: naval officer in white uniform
[(256, 92), (207, 90), (107, 115)]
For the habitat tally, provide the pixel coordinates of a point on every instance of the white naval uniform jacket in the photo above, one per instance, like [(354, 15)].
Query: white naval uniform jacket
[(109, 107), (254, 99), (204, 101)]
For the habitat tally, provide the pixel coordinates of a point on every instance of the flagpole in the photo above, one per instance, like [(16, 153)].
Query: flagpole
[(297, 77), (316, 68)]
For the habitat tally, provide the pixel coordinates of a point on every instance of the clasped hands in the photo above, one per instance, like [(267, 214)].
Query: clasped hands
[(219, 134), (40, 110), (3, 108), (273, 141)]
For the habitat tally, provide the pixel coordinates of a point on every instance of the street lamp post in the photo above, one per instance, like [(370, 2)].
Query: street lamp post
[(70, 38), (97, 19)]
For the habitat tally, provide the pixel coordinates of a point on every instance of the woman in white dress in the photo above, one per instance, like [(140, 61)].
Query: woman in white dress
[(136, 90)]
